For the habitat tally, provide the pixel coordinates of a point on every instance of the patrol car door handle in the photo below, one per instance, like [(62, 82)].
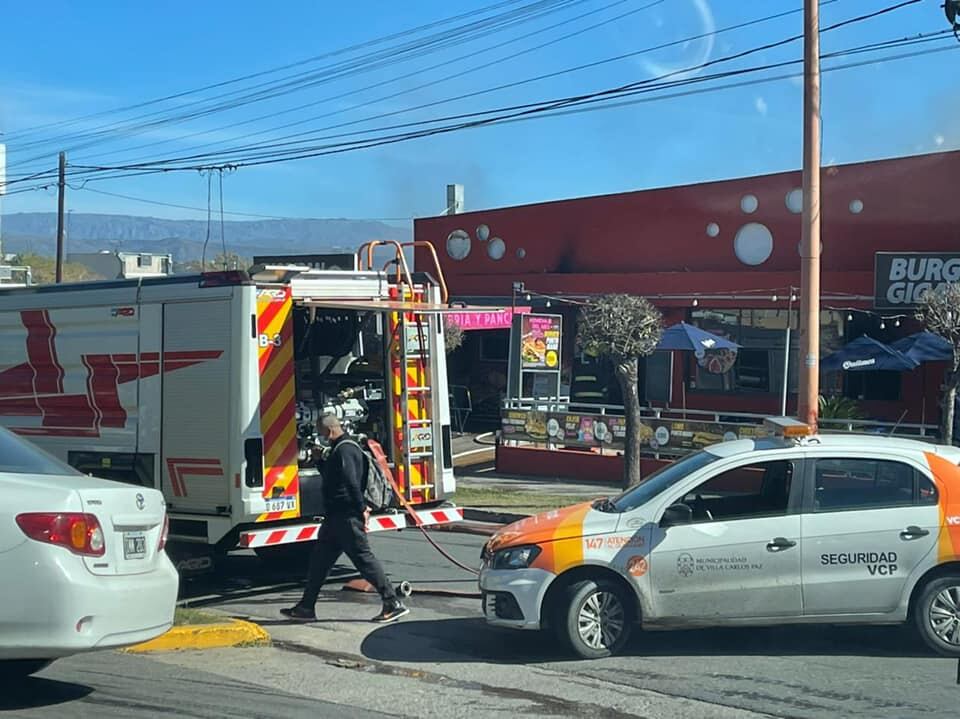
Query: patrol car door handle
[(779, 544), (912, 532)]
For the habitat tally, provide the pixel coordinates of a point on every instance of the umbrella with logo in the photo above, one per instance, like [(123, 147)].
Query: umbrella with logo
[(686, 337), (683, 337), (866, 354)]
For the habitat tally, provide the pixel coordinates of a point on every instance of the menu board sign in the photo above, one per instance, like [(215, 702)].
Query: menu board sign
[(534, 370), (540, 342)]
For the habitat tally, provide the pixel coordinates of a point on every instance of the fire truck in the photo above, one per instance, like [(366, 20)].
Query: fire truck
[(210, 388)]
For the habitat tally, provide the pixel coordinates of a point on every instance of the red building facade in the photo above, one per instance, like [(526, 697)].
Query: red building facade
[(723, 255)]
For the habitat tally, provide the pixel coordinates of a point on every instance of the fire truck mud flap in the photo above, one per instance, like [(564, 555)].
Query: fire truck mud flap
[(289, 534)]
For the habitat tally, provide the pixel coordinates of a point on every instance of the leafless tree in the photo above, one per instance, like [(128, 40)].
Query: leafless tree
[(623, 328), (940, 312)]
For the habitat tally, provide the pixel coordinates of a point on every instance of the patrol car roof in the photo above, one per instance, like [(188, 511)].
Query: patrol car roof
[(845, 441)]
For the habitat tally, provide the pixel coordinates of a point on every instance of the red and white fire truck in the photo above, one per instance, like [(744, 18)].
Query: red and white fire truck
[(209, 387)]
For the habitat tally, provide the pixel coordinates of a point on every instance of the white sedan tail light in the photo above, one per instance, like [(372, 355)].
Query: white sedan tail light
[(80, 533), (164, 533)]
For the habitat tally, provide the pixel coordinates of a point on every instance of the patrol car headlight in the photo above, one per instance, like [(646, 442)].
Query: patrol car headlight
[(516, 557)]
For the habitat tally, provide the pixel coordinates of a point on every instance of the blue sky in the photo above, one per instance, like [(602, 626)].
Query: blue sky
[(63, 60)]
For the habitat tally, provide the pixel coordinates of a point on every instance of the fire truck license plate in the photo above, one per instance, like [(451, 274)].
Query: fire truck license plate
[(282, 504), (134, 545)]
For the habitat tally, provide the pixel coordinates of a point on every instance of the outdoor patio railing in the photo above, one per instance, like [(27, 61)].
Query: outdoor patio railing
[(665, 432)]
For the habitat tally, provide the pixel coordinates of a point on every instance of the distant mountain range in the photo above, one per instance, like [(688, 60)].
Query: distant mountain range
[(36, 232)]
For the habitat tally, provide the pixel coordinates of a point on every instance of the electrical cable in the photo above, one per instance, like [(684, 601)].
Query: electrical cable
[(540, 106), (386, 57), (262, 73), (452, 76)]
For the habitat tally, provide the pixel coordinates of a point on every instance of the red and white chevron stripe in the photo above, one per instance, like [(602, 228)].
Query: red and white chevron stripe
[(289, 534)]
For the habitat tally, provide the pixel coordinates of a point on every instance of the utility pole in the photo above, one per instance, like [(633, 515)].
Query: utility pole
[(810, 237), (61, 198)]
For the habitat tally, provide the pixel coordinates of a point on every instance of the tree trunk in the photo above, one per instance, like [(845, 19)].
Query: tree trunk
[(949, 406), (627, 377)]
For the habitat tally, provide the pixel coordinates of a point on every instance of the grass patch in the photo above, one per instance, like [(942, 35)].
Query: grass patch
[(514, 500), (195, 616)]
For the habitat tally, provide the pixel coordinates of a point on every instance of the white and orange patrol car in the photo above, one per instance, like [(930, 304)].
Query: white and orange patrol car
[(792, 528)]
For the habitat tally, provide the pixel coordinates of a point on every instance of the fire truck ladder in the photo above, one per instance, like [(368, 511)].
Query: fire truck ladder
[(413, 335)]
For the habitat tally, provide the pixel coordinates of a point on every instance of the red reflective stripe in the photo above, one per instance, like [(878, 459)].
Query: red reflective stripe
[(387, 523), (246, 539), (439, 516), (276, 537), (192, 355), (306, 533)]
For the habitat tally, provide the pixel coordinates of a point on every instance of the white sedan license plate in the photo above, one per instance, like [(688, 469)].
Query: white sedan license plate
[(134, 545)]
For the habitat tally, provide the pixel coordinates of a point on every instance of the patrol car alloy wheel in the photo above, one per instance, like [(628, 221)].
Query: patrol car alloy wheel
[(938, 615), (596, 619)]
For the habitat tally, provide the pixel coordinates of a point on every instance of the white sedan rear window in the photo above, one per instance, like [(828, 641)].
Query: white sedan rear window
[(18, 456)]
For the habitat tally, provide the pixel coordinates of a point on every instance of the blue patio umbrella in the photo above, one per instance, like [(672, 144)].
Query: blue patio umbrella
[(925, 347), (688, 338), (866, 354), (684, 337)]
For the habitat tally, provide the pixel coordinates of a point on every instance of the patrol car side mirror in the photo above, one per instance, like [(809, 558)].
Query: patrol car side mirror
[(676, 514)]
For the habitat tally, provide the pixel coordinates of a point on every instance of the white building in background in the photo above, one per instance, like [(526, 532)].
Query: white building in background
[(121, 265)]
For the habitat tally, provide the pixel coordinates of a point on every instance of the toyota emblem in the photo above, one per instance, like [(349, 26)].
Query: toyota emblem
[(141, 502)]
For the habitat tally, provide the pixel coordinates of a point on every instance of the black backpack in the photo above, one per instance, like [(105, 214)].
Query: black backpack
[(377, 492)]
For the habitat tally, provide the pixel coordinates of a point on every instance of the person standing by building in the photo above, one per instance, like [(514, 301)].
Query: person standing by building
[(344, 527)]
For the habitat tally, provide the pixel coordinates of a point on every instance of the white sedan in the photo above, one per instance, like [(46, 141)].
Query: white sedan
[(82, 561)]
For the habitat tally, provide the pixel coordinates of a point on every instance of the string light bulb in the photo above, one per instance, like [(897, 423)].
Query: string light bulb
[(793, 298), (883, 325), (695, 302), (526, 297), (850, 317), (897, 323), (774, 298), (548, 303)]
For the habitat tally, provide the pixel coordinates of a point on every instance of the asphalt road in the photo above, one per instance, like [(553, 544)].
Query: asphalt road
[(110, 684), (443, 660)]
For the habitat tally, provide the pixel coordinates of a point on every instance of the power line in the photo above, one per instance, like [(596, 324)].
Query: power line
[(293, 83), (432, 83), (553, 109), (492, 89), (270, 149), (231, 212), (262, 73)]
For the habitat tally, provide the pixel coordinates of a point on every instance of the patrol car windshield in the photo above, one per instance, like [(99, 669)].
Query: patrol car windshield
[(660, 480)]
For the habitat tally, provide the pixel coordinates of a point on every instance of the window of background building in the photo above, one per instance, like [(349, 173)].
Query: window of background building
[(494, 345), (757, 366)]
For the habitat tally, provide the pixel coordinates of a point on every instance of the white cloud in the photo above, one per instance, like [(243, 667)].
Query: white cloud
[(761, 106)]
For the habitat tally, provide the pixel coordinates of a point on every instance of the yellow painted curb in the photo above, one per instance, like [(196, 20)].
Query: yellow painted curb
[(205, 636)]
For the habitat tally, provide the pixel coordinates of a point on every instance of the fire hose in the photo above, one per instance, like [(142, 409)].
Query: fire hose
[(418, 523)]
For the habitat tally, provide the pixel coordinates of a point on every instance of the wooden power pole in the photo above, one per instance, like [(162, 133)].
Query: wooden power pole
[(61, 199), (810, 237)]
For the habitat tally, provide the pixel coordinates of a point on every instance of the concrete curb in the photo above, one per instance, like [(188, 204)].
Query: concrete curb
[(205, 636)]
